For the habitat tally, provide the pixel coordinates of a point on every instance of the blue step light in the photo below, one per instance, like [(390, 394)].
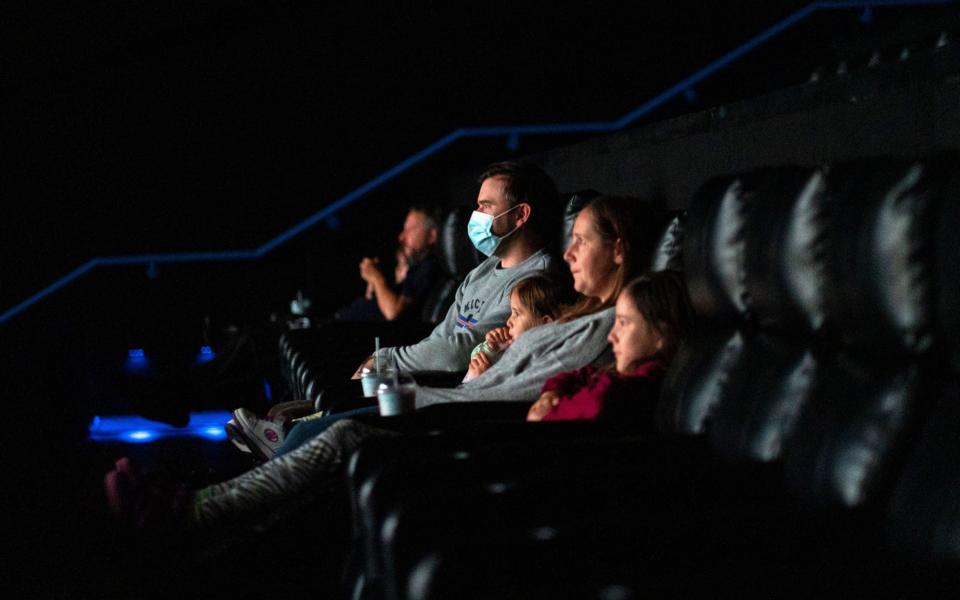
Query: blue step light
[(206, 354), (137, 361), (138, 430)]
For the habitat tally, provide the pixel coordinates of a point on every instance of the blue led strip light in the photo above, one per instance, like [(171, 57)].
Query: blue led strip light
[(511, 131)]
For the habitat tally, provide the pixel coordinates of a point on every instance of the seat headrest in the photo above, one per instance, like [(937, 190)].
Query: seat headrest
[(785, 223), (693, 383), (572, 205), (880, 254), (668, 252), (752, 249), (761, 398), (844, 251), (713, 250), (923, 520), (457, 254), (845, 447)]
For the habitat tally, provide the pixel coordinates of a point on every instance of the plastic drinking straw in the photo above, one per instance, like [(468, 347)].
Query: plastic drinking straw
[(376, 353)]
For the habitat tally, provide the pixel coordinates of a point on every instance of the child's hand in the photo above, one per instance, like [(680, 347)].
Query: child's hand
[(499, 339), (478, 364), (543, 405)]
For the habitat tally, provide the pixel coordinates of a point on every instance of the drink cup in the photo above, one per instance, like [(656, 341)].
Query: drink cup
[(397, 398), (370, 380)]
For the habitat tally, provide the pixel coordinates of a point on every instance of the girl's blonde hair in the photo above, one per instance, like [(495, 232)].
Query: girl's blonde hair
[(543, 296)]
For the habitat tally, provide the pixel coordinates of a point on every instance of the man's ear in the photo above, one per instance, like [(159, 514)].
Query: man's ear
[(546, 319), (524, 214), (618, 252), (433, 236)]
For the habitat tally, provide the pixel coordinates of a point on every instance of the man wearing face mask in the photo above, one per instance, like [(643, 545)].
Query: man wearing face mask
[(518, 214)]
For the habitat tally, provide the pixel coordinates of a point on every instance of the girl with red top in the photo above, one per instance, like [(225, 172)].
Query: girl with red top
[(652, 316)]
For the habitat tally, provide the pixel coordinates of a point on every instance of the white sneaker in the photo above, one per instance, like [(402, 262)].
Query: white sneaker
[(263, 436), (234, 435)]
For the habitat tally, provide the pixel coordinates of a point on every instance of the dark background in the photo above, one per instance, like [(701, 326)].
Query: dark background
[(149, 127), (140, 127)]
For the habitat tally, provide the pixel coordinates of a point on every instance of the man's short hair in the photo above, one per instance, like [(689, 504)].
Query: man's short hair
[(527, 183), (430, 212)]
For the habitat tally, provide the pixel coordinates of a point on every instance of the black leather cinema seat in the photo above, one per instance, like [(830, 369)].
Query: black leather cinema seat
[(809, 433), (829, 278)]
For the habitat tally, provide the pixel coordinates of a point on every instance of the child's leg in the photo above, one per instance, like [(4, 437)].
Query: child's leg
[(304, 430), (282, 477)]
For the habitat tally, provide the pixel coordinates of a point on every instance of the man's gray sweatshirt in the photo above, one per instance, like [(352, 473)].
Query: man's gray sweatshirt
[(482, 303), (537, 355)]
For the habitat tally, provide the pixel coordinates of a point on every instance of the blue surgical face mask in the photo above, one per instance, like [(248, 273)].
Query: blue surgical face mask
[(479, 229)]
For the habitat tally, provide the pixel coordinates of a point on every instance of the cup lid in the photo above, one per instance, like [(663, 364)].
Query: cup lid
[(373, 371)]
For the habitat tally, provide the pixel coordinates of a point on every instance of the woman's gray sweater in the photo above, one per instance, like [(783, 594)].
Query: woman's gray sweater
[(537, 355)]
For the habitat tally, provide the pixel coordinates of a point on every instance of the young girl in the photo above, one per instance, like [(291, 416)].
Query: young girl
[(534, 301), (652, 316)]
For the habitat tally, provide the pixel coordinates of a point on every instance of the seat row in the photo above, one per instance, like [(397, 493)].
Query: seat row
[(809, 435), (313, 359)]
